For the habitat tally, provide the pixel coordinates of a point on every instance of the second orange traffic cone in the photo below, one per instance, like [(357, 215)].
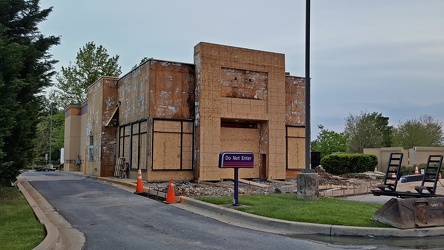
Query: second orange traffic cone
[(139, 187), (416, 170), (171, 197)]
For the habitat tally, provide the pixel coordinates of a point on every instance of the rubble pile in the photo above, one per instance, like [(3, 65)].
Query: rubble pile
[(329, 179), (226, 187)]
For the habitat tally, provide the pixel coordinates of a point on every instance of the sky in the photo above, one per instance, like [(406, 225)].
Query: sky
[(366, 56)]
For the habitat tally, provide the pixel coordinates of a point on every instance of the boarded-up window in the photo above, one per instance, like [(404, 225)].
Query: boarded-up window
[(172, 145), (295, 147), (133, 144)]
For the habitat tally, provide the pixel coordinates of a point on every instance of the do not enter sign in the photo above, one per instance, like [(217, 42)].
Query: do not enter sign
[(236, 160)]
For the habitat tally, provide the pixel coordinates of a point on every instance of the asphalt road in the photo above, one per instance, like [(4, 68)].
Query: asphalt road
[(112, 218)]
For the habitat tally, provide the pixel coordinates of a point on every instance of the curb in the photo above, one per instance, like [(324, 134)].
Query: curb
[(59, 233), (251, 221), (271, 225)]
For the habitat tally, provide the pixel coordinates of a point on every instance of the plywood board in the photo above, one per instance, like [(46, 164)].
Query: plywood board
[(295, 153), (167, 126), (242, 140), (166, 155), (187, 151)]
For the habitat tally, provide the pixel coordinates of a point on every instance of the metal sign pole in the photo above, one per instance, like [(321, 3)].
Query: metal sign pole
[(236, 187), (236, 160)]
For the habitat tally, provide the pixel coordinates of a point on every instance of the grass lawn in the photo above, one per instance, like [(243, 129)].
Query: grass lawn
[(322, 211), (19, 228)]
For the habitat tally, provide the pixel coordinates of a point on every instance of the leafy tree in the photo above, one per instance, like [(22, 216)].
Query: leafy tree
[(42, 141), (368, 130), (381, 123), (328, 142), (92, 62), (422, 132), (26, 68)]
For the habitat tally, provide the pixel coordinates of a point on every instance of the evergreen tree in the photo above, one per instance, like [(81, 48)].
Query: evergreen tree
[(26, 68)]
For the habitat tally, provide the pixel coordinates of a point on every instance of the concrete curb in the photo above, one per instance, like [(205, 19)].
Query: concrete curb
[(59, 232), (242, 219), (260, 223), (61, 235)]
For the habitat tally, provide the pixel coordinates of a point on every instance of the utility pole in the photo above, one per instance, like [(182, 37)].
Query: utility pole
[(307, 88), (307, 183), (53, 105)]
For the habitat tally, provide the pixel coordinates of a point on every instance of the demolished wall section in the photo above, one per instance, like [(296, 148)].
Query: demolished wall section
[(171, 91), (295, 100)]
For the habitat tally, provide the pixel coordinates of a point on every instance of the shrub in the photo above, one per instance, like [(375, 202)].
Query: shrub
[(410, 170), (349, 163)]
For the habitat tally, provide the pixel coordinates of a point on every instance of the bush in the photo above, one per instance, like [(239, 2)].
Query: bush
[(349, 163)]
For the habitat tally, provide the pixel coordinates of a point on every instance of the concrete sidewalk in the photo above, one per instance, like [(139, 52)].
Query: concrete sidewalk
[(60, 234)]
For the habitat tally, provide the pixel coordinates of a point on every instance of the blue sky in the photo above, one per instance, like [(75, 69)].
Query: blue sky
[(366, 56)]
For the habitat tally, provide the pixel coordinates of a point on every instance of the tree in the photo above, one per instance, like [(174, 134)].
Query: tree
[(26, 68), (92, 62), (368, 130), (42, 141), (422, 132), (144, 60), (328, 142)]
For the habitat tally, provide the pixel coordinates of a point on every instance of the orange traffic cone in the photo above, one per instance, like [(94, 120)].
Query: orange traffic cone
[(139, 187), (416, 170), (171, 197)]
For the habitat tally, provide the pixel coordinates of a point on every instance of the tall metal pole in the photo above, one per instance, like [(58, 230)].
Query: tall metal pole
[(307, 87), (50, 134), (53, 104)]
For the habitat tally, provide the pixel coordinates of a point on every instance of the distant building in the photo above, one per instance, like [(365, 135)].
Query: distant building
[(173, 119)]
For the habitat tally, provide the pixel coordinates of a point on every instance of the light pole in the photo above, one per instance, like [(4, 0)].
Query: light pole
[(53, 104), (307, 90)]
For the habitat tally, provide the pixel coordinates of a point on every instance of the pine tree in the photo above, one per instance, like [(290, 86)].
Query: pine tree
[(26, 68)]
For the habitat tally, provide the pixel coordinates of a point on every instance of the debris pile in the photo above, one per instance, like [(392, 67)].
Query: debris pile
[(226, 187)]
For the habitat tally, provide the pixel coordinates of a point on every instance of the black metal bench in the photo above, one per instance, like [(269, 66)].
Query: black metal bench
[(392, 173), (431, 175)]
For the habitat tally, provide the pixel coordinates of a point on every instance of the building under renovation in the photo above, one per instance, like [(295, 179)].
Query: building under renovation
[(172, 119)]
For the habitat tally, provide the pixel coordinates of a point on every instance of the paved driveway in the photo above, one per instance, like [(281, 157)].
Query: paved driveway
[(112, 218)]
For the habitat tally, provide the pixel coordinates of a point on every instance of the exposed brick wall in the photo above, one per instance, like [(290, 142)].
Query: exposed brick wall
[(171, 90), (244, 84), (295, 100)]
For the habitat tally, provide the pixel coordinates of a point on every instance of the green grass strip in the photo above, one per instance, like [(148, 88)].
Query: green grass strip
[(19, 228), (329, 211)]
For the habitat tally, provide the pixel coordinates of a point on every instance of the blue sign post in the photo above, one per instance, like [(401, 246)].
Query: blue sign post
[(236, 160)]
